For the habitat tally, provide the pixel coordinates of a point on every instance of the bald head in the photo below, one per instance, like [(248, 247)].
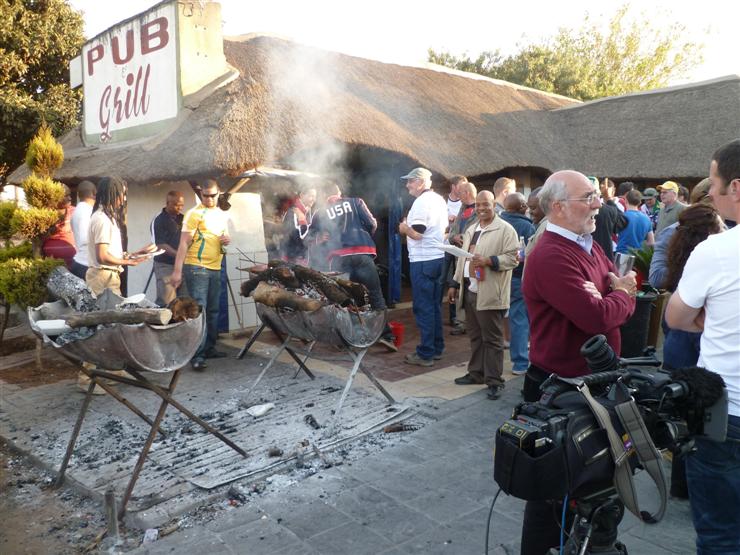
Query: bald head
[(467, 192), (515, 202)]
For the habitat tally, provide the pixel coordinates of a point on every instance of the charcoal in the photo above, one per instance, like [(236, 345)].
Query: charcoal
[(62, 284)]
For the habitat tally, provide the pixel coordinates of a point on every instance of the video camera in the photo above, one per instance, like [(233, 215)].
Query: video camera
[(556, 446)]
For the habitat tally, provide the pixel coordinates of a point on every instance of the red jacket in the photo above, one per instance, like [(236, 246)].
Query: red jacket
[(562, 314)]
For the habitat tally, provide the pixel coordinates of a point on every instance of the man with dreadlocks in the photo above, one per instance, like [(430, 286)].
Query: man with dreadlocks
[(104, 245)]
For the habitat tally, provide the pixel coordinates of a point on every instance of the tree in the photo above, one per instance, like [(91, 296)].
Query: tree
[(37, 40), (23, 271), (631, 55)]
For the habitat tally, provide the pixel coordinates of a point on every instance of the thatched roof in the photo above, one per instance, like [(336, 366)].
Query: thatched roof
[(670, 132), (290, 98), (295, 106)]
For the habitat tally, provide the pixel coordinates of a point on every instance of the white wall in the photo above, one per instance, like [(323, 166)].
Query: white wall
[(245, 228)]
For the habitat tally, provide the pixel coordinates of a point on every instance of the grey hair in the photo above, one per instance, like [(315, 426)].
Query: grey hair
[(553, 190), (468, 186)]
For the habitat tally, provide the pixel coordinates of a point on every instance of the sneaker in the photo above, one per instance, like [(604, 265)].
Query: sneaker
[(388, 344), (518, 372), (83, 382), (467, 379), (458, 330), (213, 353), (414, 358), (198, 364), (437, 357), (495, 391)]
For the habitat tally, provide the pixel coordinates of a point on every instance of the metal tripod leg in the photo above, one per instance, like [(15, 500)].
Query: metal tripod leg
[(251, 340), (302, 365), (357, 358), (377, 384), (75, 432), (267, 366)]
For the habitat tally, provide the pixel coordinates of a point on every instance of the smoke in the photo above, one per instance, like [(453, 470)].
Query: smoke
[(307, 86)]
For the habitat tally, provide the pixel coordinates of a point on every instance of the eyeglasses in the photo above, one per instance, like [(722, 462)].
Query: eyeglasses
[(588, 199), (214, 195)]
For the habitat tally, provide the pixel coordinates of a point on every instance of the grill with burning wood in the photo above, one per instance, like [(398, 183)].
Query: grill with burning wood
[(300, 303)]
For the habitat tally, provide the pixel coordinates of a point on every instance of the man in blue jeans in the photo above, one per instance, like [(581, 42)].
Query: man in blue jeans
[(515, 208), (707, 300), (424, 228), (202, 240)]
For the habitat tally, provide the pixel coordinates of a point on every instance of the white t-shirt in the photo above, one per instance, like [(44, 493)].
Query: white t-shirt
[(453, 208), (430, 210), (711, 278), (103, 230), (80, 225)]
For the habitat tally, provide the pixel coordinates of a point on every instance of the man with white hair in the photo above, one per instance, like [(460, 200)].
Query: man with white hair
[(424, 228), (572, 294)]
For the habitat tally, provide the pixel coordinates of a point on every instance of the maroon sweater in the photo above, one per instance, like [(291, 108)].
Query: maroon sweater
[(562, 314)]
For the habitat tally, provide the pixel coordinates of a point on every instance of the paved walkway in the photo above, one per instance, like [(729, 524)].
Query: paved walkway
[(429, 495)]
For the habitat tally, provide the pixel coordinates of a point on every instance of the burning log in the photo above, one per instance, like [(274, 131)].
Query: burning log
[(280, 274), (63, 284), (272, 295), (327, 286), (357, 291), (158, 316)]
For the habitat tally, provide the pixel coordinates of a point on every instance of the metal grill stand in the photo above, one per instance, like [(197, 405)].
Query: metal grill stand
[(98, 377), (286, 330)]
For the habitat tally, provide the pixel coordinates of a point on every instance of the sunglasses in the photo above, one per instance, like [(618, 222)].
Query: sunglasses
[(214, 195)]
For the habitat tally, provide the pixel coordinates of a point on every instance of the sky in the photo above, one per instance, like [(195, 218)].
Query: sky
[(401, 31)]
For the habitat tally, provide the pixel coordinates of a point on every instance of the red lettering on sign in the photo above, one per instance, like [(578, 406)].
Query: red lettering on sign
[(149, 34), (95, 54), (115, 48)]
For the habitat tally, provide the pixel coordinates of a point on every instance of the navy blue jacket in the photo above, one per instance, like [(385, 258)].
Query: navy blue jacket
[(350, 226), (524, 228)]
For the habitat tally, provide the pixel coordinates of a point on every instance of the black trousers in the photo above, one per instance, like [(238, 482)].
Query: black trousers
[(541, 526)]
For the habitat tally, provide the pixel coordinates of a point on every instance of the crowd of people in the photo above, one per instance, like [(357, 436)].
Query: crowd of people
[(535, 274)]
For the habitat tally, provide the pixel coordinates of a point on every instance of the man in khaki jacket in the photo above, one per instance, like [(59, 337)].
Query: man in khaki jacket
[(484, 283)]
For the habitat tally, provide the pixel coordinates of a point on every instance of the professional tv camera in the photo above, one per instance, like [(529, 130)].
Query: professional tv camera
[(586, 437)]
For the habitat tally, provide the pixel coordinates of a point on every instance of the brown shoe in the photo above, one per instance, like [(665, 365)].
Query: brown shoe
[(467, 379), (388, 344), (413, 358)]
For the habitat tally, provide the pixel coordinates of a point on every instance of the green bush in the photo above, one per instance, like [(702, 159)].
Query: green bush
[(23, 280), (7, 209), (33, 222), (42, 192), (23, 250), (44, 155)]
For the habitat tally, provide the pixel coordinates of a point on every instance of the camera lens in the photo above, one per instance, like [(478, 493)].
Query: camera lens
[(600, 357)]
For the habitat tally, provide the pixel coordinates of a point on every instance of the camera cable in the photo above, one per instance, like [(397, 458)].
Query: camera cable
[(490, 516), (562, 524)]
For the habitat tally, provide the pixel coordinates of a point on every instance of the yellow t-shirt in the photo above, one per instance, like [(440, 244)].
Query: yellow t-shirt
[(206, 225)]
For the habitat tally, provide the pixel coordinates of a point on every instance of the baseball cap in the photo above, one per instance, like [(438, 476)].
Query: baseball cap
[(650, 192), (418, 173), (669, 186)]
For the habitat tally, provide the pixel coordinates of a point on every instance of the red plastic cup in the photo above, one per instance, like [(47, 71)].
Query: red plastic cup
[(397, 328)]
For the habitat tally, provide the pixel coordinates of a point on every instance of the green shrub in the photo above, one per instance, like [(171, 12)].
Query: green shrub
[(34, 222), (23, 280), (7, 209), (23, 250), (42, 192), (44, 155)]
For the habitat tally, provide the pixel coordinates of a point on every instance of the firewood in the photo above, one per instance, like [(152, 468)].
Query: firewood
[(160, 316), (272, 295), (328, 287), (184, 308), (281, 274), (357, 291)]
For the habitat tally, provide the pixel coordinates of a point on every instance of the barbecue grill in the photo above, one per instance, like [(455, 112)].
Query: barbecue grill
[(136, 348)]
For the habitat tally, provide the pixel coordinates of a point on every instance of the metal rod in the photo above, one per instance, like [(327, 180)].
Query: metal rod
[(269, 363), (233, 300), (166, 394), (112, 514), (147, 445), (377, 384), (358, 359), (251, 340), (302, 366), (75, 433)]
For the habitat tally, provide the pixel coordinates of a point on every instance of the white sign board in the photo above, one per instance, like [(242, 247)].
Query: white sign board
[(130, 79)]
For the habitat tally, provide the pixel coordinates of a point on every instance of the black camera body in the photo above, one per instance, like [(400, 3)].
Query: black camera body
[(555, 447)]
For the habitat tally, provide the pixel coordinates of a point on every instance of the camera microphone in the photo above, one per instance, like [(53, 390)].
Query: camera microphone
[(701, 387)]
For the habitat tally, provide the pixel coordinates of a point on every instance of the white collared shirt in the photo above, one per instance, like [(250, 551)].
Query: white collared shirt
[(585, 241)]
